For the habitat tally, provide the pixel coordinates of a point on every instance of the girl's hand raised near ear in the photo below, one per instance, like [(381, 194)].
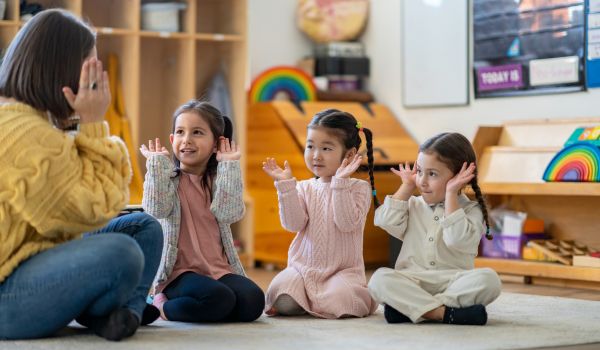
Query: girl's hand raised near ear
[(464, 176), (275, 172), (348, 167), (408, 175), (154, 147), (227, 150)]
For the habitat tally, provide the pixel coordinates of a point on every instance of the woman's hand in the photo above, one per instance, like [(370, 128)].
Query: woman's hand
[(275, 172), (93, 95), (348, 167), (464, 176), (154, 148), (228, 151)]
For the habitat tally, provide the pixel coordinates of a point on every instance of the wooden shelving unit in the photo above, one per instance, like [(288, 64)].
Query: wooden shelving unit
[(159, 71), (512, 160)]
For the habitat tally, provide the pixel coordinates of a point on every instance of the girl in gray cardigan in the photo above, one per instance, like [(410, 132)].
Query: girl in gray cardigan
[(196, 198)]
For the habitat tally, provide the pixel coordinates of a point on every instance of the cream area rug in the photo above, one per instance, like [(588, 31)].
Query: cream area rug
[(516, 321)]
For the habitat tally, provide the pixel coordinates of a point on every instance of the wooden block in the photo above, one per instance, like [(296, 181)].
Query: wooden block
[(586, 260), (552, 250)]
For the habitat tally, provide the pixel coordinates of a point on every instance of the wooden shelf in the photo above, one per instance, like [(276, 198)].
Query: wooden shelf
[(165, 35), (543, 188), (218, 37), (114, 31), (159, 71), (512, 159), (540, 269)]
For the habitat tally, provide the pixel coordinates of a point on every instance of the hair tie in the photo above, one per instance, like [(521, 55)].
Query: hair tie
[(487, 233), (374, 192), (359, 126)]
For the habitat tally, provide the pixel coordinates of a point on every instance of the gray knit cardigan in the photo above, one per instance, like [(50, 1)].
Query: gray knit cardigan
[(161, 201)]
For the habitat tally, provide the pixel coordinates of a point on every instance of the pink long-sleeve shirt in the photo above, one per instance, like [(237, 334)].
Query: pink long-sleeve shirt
[(325, 273)]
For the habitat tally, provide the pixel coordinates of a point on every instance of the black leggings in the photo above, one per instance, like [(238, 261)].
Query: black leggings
[(196, 298)]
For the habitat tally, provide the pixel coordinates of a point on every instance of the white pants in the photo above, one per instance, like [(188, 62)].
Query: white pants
[(415, 293)]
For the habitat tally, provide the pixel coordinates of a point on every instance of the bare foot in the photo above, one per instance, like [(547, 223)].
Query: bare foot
[(271, 312)]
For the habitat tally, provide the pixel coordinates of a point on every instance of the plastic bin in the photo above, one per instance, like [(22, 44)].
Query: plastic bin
[(507, 247), (161, 17)]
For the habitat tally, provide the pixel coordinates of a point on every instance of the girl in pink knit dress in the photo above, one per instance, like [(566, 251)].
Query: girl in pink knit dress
[(325, 276)]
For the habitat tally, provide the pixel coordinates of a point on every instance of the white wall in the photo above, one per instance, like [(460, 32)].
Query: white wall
[(275, 39), (383, 42)]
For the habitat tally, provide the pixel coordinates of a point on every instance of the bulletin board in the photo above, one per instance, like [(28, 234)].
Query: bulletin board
[(593, 43), (435, 52), (528, 47)]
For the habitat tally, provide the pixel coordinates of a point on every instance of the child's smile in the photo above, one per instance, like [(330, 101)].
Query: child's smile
[(193, 142)]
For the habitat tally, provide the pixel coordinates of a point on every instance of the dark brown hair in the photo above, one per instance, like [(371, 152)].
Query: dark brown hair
[(219, 125), (45, 56), (345, 127), (453, 149)]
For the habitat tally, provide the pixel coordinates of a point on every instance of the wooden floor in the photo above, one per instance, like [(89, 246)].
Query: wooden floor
[(263, 277)]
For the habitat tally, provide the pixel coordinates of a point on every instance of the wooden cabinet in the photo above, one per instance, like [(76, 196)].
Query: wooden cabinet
[(512, 160), (159, 70)]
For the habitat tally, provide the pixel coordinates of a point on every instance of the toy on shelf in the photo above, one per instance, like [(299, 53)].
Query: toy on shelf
[(589, 135), (563, 251), (332, 20), (292, 82), (579, 161), (512, 242), (590, 260)]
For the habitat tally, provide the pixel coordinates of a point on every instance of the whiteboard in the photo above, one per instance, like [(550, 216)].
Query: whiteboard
[(435, 51)]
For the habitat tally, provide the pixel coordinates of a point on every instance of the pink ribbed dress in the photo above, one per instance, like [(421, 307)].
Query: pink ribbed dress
[(325, 273)]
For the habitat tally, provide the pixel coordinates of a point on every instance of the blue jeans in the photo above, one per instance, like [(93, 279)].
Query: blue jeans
[(106, 269)]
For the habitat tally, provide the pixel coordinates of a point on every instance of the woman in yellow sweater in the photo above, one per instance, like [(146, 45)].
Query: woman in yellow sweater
[(56, 185)]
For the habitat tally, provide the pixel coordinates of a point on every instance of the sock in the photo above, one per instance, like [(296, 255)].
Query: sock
[(287, 306), (394, 316), (120, 323), (159, 301), (472, 315), (151, 313)]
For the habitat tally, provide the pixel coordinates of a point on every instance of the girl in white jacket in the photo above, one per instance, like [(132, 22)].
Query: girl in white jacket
[(434, 277)]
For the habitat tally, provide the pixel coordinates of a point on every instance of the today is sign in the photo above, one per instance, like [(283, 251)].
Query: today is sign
[(508, 76)]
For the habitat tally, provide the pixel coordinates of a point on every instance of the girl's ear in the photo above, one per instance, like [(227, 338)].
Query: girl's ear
[(350, 153), (171, 137), (216, 145)]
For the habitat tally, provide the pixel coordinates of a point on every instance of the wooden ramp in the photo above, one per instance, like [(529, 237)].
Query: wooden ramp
[(278, 129)]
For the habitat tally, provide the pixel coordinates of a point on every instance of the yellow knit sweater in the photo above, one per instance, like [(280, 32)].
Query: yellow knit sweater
[(54, 186)]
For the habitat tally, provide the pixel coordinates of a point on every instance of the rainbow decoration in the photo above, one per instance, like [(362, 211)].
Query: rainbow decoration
[(291, 81), (579, 162)]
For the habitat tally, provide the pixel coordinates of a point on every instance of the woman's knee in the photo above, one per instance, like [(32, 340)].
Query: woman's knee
[(149, 225), (122, 252)]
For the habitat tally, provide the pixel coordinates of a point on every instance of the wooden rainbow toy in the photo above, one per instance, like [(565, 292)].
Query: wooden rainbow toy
[(579, 162), (295, 83)]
